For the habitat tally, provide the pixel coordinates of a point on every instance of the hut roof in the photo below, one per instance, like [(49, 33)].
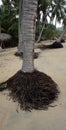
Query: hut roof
[(4, 37)]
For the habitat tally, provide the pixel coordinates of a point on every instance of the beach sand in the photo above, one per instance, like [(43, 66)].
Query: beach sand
[(51, 62)]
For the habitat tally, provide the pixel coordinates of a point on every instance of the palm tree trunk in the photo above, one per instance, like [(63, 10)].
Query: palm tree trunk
[(39, 38), (62, 35), (55, 21), (0, 27), (40, 35), (20, 43), (28, 27)]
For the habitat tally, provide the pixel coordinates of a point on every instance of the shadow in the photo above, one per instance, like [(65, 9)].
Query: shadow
[(54, 45)]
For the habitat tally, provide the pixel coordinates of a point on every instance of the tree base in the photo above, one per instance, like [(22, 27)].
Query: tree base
[(32, 90), (62, 41), (20, 54)]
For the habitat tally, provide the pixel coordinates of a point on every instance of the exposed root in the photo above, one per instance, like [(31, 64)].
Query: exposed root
[(32, 90)]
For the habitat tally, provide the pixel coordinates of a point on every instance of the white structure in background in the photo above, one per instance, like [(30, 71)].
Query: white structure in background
[(58, 25), (17, 16), (0, 2), (1, 49), (41, 16)]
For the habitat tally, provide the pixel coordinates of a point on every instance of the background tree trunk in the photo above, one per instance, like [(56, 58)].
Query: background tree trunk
[(62, 35), (28, 29), (40, 35)]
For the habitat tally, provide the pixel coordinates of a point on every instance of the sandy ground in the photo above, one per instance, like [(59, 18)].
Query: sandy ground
[(53, 63)]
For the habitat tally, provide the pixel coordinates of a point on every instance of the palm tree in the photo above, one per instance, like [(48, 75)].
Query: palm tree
[(28, 23), (57, 9), (59, 40), (45, 7), (20, 28), (7, 5), (31, 88)]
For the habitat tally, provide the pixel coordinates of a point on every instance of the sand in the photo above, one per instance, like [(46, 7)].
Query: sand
[(51, 62)]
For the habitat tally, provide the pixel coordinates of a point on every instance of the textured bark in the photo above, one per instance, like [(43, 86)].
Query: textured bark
[(28, 29), (20, 43), (0, 27)]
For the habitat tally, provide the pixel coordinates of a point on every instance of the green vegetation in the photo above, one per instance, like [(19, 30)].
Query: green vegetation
[(8, 20), (9, 23), (50, 32)]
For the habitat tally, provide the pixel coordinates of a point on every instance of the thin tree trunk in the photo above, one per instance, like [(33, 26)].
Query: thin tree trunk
[(20, 43), (62, 35), (39, 38), (28, 30), (55, 21), (0, 27)]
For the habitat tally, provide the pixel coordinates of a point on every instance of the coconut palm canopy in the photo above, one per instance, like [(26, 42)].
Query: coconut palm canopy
[(4, 37)]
